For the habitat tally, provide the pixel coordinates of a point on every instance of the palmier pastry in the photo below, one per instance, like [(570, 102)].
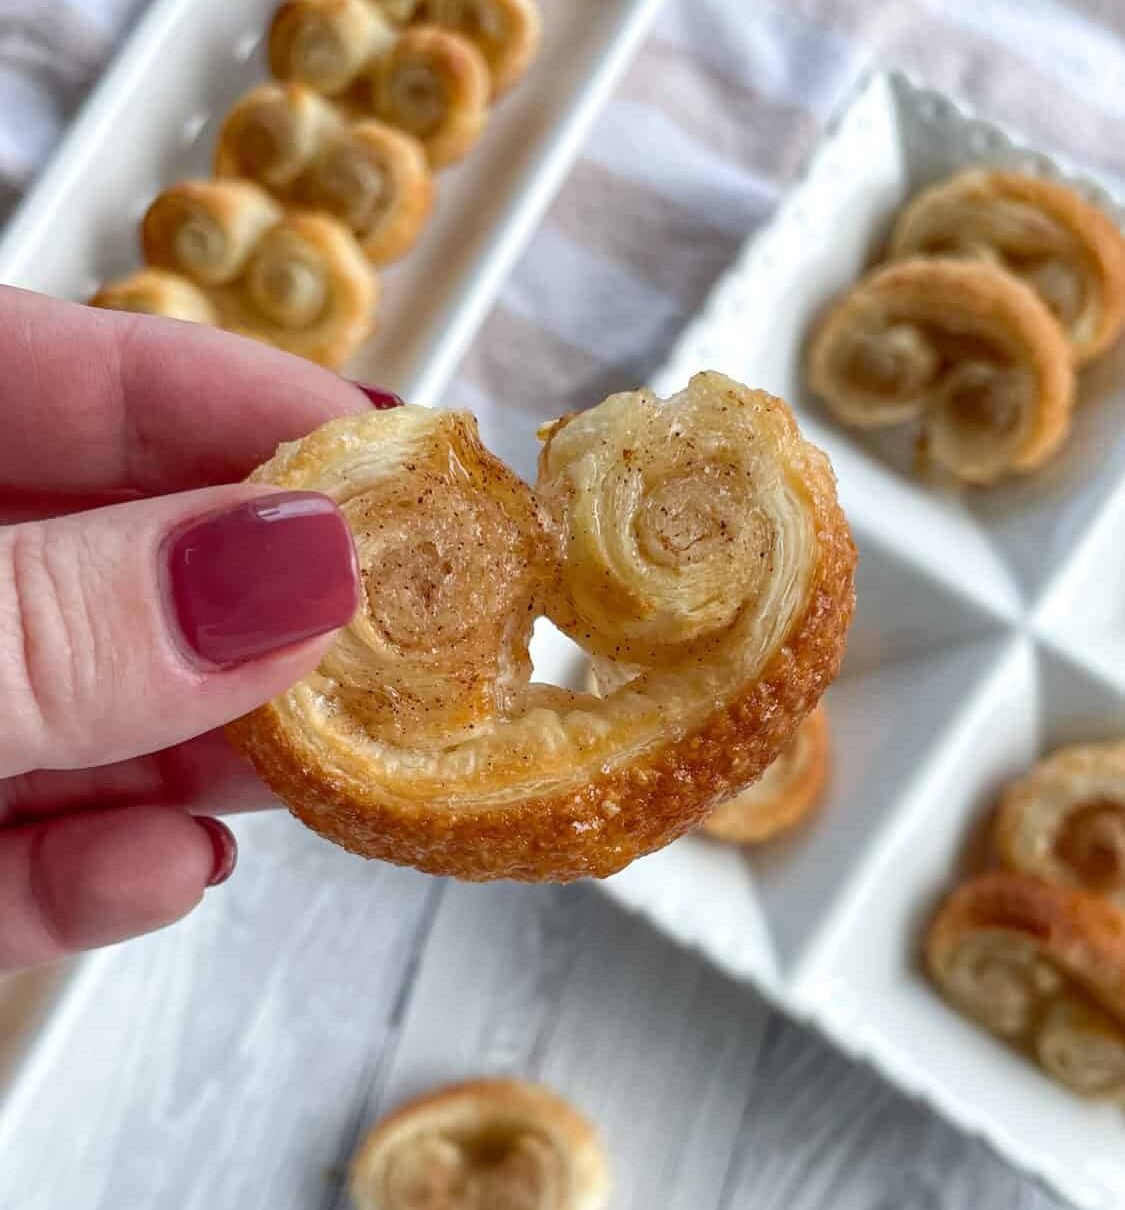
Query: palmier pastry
[(326, 44), (1066, 249), (435, 85), (506, 32), (485, 1145), (1041, 965), (158, 292), (785, 793), (1065, 821), (697, 538), (302, 285), (373, 178), (966, 347)]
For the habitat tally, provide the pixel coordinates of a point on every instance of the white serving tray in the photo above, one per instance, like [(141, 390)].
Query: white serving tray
[(990, 627), (153, 120)]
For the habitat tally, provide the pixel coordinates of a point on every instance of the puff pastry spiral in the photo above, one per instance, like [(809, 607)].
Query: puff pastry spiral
[(326, 44), (966, 347), (294, 279), (435, 85), (1065, 821), (785, 793), (699, 539), (506, 32), (373, 178), (157, 292), (1041, 965), (1066, 249), (485, 1145)]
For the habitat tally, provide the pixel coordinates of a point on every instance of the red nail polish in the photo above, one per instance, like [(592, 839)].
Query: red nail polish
[(261, 576), (381, 401), (225, 848)]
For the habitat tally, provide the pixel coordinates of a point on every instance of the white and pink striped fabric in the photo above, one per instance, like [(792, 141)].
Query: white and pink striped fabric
[(713, 119)]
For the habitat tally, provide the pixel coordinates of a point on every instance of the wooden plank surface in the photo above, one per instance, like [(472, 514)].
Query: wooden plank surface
[(233, 1062)]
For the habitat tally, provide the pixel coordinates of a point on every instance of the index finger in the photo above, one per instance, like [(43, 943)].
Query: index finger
[(106, 401)]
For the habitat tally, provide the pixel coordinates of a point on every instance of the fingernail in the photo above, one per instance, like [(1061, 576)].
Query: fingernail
[(381, 401), (261, 576), (225, 848)]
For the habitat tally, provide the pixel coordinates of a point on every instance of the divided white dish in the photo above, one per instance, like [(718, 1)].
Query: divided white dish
[(990, 628)]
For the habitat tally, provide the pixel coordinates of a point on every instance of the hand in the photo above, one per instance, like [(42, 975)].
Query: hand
[(137, 614)]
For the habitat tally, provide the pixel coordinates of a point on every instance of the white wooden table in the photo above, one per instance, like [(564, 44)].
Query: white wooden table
[(232, 1062)]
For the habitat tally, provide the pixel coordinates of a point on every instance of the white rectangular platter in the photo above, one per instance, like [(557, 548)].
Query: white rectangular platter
[(153, 119), (990, 628)]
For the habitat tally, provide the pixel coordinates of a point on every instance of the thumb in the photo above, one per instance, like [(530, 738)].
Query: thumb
[(131, 628)]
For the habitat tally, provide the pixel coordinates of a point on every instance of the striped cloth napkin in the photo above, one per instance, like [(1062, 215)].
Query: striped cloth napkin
[(714, 118)]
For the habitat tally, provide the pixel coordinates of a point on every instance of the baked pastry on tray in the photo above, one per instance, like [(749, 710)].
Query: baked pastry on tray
[(1065, 820), (698, 539), (483, 1145), (966, 349), (370, 176), (229, 255), (1043, 966), (1065, 248)]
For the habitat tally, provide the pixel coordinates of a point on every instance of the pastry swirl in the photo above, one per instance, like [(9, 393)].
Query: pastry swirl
[(434, 84), (302, 284), (371, 177), (1066, 249), (207, 230), (1018, 954), (785, 793), (966, 347), (1065, 821), (506, 32), (326, 44), (157, 292), (484, 1145), (699, 537)]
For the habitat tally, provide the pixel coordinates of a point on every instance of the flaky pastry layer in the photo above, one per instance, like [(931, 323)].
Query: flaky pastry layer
[(698, 538)]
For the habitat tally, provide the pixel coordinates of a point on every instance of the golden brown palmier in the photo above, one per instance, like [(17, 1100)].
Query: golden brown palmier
[(966, 347), (158, 292), (434, 84), (373, 178), (302, 283), (484, 1145), (506, 32), (326, 44), (1065, 248), (1041, 965), (1065, 820), (697, 537), (784, 795)]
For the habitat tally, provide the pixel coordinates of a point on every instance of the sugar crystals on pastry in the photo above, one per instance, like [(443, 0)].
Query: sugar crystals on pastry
[(507, 33), (484, 1145), (698, 538), (785, 793), (370, 176), (1065, 248), (1042, 966), (966, 348), (1065, 820)]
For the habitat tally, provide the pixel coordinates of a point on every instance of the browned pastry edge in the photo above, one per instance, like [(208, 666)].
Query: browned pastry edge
[(1081, 934), (597, 828), (1094, 229), (509, 62), (751, 819)]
